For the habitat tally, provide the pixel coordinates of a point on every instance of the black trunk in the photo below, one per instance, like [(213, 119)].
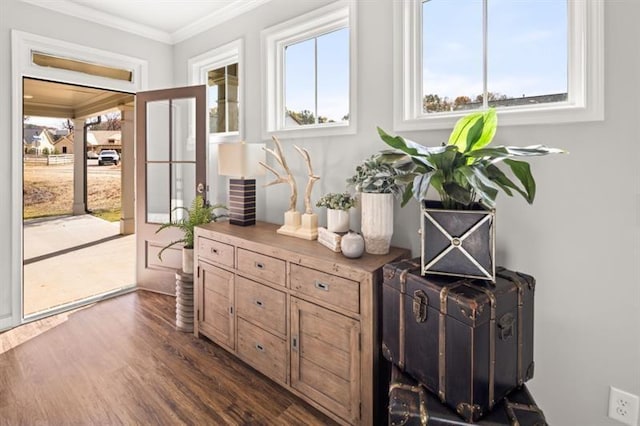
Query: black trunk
[(411, 404), (468, 341)]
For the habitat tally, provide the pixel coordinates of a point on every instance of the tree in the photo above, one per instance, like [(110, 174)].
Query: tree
[(113, 121), (461, 100), (68, 124), (110, 121), (492, 96), (45, 151), (434, 103), (302, 117)]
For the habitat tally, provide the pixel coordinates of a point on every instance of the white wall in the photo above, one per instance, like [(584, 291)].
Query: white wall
[(24, 17), (580, 238)]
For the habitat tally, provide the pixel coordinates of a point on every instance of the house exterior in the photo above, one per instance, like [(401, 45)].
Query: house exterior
[(581, 238), (64, 145), (104, 139), (38, 142), (29, 137)]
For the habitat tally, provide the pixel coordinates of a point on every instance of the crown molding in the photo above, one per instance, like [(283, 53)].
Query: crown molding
[(231, 10)]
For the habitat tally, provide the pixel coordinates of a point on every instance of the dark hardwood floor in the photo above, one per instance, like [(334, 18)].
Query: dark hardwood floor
[(121, 361)]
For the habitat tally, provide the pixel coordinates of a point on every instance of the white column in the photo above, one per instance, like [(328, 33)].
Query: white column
[(78, 167), (127, 170)]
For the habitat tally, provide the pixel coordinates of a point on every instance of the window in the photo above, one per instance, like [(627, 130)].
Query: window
[(309, 67), (53, 61), (317, 80), (221, 70), (223, 99), (534, 61)]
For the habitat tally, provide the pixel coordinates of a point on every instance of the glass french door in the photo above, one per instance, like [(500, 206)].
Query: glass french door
[(170, 172)]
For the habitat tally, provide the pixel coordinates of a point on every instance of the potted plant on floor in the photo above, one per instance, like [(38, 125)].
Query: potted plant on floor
[(338, 205), (376, 181), (458, 232), (199, 213)]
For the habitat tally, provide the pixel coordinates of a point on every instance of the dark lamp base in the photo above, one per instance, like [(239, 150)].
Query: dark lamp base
[(242, 202)]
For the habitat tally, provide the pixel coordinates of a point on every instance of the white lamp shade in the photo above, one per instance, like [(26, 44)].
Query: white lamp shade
[(240, 159)]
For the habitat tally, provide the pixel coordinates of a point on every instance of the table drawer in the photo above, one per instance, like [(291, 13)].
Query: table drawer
[(328, 288), (259, 265), (263, 350), (216, 252), (261, 305)]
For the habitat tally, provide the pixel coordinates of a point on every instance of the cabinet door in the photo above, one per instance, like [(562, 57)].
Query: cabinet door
[(216, 311), (325, 358)]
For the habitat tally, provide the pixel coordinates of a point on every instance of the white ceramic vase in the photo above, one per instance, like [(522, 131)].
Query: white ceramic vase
[(376, 221), (337, 220), (187, 260), (352, 245)]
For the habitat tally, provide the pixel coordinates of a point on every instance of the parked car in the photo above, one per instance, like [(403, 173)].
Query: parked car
[(92, 155), (108, 156)]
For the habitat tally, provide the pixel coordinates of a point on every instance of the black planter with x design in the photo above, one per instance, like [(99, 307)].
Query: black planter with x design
[(458, 242)]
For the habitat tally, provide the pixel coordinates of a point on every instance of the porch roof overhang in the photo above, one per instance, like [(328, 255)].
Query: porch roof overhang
[(59, 100)]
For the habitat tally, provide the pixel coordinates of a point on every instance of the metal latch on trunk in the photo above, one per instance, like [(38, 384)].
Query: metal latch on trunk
[(420, 304), (506, 325)]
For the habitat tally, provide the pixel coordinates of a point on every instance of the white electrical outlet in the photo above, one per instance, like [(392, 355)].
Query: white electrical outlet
[(623, 406)]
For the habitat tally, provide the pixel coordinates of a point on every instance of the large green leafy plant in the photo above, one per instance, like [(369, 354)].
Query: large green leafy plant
[(199, 213), (465, 170)]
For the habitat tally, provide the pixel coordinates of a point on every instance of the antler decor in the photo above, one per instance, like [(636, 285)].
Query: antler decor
[(312, 179), (278, 155), (309, 227), (295, 225)]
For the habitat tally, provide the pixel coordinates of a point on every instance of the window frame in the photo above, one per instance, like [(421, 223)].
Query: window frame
[(275, 39), (585, 80), (198, 71)]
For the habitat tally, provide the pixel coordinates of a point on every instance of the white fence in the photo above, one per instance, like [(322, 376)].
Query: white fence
[(49, 159)]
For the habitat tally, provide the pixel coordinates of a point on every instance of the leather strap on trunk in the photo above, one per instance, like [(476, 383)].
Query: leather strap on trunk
[(401, 325), (442, 338), (517, 280), (492, 345)]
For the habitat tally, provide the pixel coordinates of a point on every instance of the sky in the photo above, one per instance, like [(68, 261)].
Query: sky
[(527, 47), (46, 121), (332, 76)]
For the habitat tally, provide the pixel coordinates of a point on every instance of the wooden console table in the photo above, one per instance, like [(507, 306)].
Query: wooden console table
[(304, 316)]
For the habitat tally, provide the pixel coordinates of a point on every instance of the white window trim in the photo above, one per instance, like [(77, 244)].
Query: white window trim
[(274, 39), (198, 70), (585, 73)]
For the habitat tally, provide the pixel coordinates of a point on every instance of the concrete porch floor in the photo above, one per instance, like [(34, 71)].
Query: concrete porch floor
[(72, 258)]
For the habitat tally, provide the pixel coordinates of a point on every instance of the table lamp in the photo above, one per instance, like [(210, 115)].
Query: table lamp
[(240, 161)]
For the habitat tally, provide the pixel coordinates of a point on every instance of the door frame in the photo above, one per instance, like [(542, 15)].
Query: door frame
[(22, 45)]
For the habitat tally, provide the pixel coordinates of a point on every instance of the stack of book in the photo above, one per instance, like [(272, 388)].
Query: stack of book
[(330, 240)]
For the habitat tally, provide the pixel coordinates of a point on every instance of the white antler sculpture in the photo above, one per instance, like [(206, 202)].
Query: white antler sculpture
[(312, 179), (278, 155)]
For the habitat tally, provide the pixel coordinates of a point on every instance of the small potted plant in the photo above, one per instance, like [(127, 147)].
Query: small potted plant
[(458, 232), (338, 205), (376, 181), (199, 213)]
